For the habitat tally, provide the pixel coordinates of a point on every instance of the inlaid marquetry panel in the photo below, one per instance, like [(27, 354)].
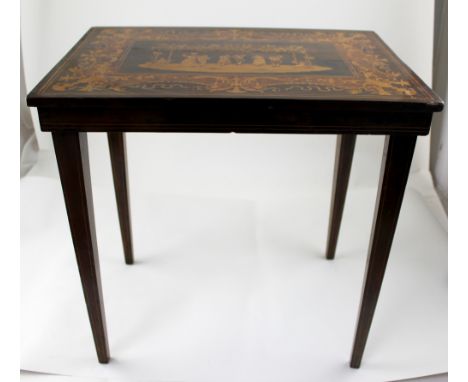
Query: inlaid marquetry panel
[(245, 63)]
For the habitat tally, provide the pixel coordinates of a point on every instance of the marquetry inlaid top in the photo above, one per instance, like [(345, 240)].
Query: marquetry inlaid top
[(232, 63)]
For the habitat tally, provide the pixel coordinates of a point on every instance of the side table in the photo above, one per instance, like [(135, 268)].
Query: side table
[(207, 80)]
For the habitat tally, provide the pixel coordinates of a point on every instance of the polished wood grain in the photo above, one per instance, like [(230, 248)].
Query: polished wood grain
[(71, 150), (396, 163), (343, 160), (118, 155)]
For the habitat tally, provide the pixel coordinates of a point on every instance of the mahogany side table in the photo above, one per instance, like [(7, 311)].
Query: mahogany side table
[(221, 80)]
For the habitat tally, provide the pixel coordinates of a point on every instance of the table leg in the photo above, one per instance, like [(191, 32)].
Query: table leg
[(343, 161), (119, 170), (396, 164), (71, 150)]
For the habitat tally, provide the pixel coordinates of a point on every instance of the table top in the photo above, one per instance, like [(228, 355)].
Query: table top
[(111, 63)]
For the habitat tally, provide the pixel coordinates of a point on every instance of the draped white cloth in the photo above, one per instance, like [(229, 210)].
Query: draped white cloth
[(28, 141)]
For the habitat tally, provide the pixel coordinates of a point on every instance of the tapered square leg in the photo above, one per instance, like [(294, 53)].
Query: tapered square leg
[(119, 171), (398, 154), (71, 150), (343, 160)]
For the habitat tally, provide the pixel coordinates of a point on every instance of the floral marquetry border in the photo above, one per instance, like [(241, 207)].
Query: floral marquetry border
[(93, 68)]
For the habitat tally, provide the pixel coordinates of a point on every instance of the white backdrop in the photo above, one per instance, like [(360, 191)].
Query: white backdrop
[(209, 215), (240, 164)]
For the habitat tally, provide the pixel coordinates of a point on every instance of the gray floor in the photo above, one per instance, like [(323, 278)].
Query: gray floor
[(431, 378), (28, 376)]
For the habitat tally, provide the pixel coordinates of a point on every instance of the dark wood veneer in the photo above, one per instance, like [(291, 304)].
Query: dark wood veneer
[(118, 155), (71, 150), (396, 163), (343, 160), (241, 118)]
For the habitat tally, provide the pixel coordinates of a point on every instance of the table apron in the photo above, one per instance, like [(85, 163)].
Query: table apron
[(261, 121)]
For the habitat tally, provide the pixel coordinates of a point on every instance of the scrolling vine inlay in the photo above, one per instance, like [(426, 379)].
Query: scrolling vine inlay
[(176, 62)]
